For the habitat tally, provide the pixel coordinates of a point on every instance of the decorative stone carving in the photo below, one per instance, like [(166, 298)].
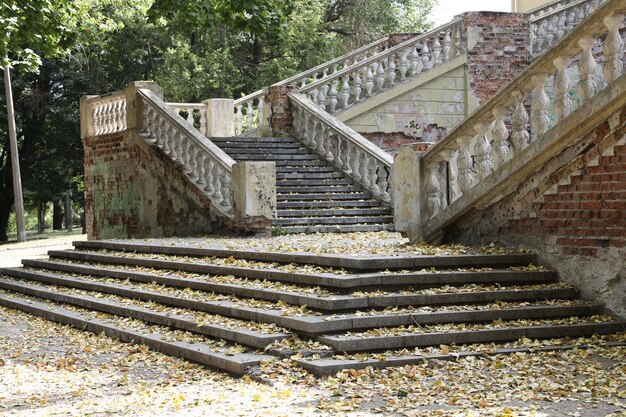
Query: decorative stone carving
[(519, 120), (586, 67), (483, 163), (500, 135), (539, 105), (562, 85), (613, 48)]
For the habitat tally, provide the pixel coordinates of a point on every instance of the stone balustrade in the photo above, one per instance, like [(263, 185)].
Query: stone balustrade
[(194, 113), (496, 138), (352, 84), (102, 115), (204, 164), (551, 22), (249, 113), (341, 146)]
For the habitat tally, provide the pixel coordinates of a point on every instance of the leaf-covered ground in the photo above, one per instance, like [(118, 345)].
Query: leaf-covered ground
[(51, 370)]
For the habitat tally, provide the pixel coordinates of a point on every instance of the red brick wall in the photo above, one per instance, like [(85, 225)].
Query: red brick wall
[(391, 142), (133, 190), (498, 50)]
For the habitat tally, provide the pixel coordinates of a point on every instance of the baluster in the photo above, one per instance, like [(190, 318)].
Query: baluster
[(551, 30), (371, 175), (321, 97), (250, 116), (226, 191), (580, 15), (426, 62), (203, 121), (586, 68), (563, 104), (217, 184), (561, 25), (200, 161), (482, 149), (238, 120), (436, 50), (192, 153), (333, 95), (435, 190), (355, 156), (380, 76), (541, 36), (404, 63), (539, 106), (260, 112), (345, 91), (356, 86), (465, 173), (210, 176), (382, 174), (369, 81), (320, 133), (613, 48), (312, 132), (570, 21), (416, 62), (519, 120), (391, 69), (189, 117), (458, 45), (500, 134), (108, 126), (329, 145), (452, 175), (447, 46), (364, 163)]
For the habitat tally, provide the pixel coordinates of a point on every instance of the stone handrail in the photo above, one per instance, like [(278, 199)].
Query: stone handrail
[(507, 143), (379, 72), (104, 114), (341, 146), (206, 165), (550, 23), (245, 107), (193, 113)]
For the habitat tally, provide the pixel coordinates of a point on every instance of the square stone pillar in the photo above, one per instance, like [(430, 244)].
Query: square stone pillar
[(220, 115), (407, 194), (254, 186), (134, 109)]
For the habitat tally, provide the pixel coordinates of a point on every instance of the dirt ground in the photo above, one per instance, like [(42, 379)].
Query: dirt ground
[(52, 370)]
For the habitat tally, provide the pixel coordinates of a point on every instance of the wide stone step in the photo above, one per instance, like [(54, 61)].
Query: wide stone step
[(353, 282), (252, 139), (316, 324), (339, 228), (488, 335), (238, 363), (308, 175), (298, 163), (316, 182), (288, 158), (236, 146), (333, 212), (290, 221), (320, 169), (316, 189), (321, 196), (344, 204), (188, 323), (372, 262)]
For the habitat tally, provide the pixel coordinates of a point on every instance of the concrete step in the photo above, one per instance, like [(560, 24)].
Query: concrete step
[(253, 140), (338, 228), (344, 282), (288, 158), (346, 220), (280, 176), (258, 145), (320, 169), (313, 205), (297, 163), (371, 263), (339, 212), (176, 321), (321, 196), (320, 188), (489, 335), (239, 363), (316, 182)]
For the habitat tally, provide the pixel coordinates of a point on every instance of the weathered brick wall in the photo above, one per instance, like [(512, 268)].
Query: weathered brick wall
[(281, 117), (392, 142), (498, 49), (572, 211), (133, 190)]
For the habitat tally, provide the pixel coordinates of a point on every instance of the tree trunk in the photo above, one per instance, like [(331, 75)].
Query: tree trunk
[(57, 215), (41, 216), (6, 206), (68, 211)]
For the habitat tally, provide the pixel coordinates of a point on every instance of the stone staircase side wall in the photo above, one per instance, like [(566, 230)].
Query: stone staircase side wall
[(572, 212), (134, 191)]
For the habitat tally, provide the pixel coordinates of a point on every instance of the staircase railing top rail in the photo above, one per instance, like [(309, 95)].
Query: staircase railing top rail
[(297, 79), (546, 9), (505, 97), (387, 53), (189, 131)]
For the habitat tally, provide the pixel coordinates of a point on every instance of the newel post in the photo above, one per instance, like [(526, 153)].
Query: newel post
[(220, 117), (86, 117), (134, 109), (406, 194), (254, 192)]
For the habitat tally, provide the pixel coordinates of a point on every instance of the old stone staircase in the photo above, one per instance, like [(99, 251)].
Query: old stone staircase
[(237, 309), (312, 195)]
